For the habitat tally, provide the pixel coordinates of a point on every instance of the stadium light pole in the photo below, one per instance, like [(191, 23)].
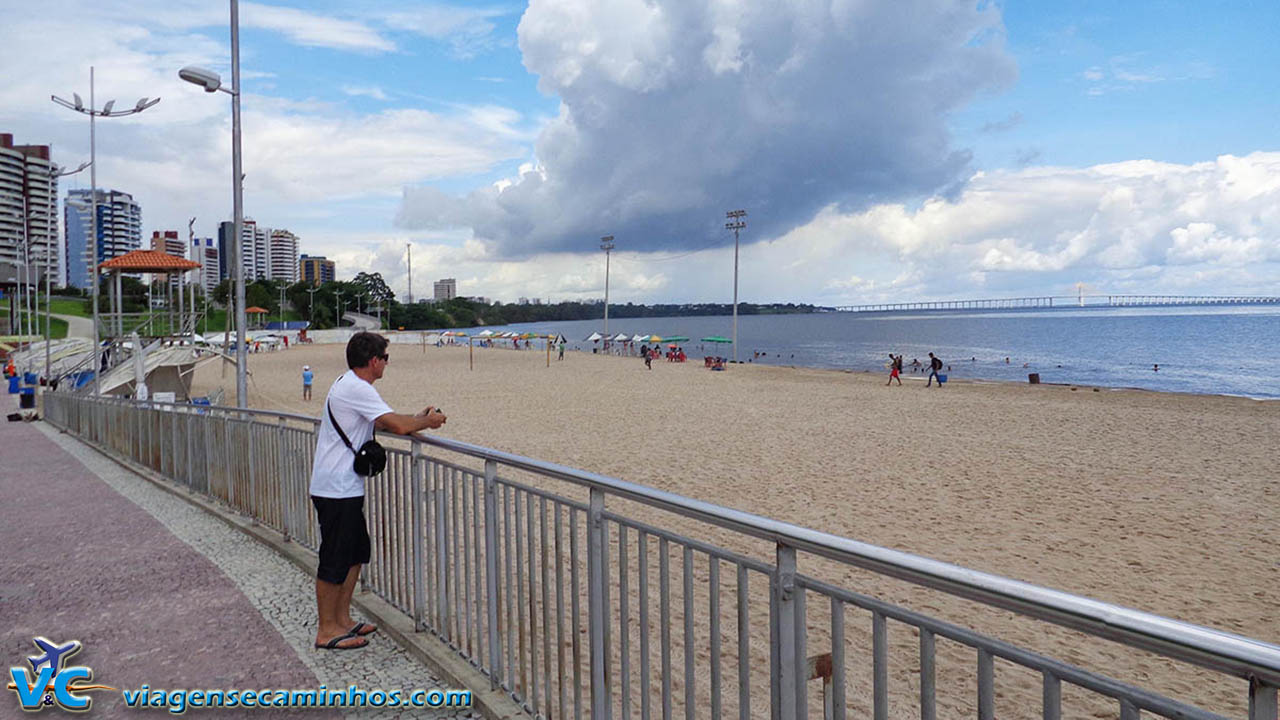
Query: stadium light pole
[(409, 248), (212, 82), (735, 224), (311, 304), (93, 112), (55, 172), (606, 244)]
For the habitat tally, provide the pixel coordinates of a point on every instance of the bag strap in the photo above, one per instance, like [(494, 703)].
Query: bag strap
[(338, 427)]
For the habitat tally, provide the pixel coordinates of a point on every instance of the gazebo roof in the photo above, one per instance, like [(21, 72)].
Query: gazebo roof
[(151, 261), (256, 309)]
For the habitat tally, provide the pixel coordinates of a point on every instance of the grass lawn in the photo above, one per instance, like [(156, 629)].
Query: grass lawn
[(58, 327)]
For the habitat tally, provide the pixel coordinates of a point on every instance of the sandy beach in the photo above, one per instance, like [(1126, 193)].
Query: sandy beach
[(1161, 502)]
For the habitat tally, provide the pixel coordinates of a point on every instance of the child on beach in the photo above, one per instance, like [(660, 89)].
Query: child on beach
[(307, 377)]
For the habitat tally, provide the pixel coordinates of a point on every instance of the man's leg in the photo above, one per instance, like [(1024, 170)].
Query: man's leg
[(344, 606), (328, 603)]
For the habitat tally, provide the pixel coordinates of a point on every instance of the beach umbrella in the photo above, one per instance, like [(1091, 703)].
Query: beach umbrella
[(639, 338), (485, 333), (655, 338), (716, 339), (594, 337), (622, 336), (677, 338)]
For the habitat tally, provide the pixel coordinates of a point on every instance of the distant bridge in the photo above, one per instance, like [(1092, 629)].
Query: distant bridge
[(1065, 301)]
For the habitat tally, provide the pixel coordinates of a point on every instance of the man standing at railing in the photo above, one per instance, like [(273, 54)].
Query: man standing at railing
[(352, 410)]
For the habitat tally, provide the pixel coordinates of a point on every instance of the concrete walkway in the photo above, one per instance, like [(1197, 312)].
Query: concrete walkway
[(77, 326), (160, 592)]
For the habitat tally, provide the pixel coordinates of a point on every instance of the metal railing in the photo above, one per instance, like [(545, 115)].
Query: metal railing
[(555, 599)]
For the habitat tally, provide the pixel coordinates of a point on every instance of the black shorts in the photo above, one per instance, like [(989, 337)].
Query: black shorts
[(344, 539)]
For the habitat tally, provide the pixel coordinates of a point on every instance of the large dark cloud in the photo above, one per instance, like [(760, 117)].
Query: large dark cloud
[(674, 111)]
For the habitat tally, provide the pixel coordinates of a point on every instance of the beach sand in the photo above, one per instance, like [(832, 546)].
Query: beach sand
[(1162, 502)]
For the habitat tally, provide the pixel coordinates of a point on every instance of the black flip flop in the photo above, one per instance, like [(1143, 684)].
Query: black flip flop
[(358, 629), (333, 644)]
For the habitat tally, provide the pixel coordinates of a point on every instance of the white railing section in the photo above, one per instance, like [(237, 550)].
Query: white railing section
[(579, 611)]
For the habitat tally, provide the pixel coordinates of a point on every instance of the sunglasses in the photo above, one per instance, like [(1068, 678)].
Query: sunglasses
[(385, 357)]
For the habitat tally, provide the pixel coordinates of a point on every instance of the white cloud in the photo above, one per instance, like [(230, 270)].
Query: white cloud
[(310, 29), (674, 111), (468, 30), (371, 92)]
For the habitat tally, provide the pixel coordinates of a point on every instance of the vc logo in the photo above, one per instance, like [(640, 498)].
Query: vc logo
[(50, 681)]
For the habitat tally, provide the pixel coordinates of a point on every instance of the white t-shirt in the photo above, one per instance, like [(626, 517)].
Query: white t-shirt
[(355, 405)]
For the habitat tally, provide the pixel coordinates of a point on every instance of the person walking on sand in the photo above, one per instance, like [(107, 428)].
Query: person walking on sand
[(935, 364), (895, 368), (561, 346), (353, 409), (307, 377)]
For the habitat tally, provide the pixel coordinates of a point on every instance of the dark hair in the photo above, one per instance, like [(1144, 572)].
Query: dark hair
[(363, 347)]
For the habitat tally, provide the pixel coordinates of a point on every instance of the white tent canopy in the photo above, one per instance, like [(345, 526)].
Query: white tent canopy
[(621, 336), (594, 337)]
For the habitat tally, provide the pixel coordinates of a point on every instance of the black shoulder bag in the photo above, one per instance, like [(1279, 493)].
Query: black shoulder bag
[(371, 458)]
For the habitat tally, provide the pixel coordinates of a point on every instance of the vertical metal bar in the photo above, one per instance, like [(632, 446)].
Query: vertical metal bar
[(254, 500), (442, 557), (510, 587), (785, 626), (479, 563), (802, 655), (533, 607), (466, 492), (642, 548), (986, 685), (596, 609), (837, 660), (1052, 697), (689, 682), (520, 606), (744, 647), (546, 608), (880, 665), (417, 514), (577, 630), (664, 623), (928, 676), (624, 622), (559, 614), (455, 580), (491, 570), (714, 602), (1262, 701)]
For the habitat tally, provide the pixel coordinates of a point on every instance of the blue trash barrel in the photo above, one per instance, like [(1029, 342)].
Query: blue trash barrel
[(31, 379), (15, 384), (27, 400)]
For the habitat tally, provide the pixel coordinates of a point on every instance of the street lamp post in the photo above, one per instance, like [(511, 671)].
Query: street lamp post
[(54, 173), (212, 82), (282, 308), (735, 224), (606, 244), (94, 112), (311, 303), (337, 306)]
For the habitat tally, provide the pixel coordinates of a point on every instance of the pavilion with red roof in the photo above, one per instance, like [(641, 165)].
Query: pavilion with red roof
[(152, 262)]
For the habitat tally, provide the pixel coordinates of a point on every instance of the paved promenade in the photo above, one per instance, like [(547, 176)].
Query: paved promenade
[(158, 591)]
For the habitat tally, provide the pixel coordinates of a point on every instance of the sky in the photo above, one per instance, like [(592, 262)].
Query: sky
[(884, 152)]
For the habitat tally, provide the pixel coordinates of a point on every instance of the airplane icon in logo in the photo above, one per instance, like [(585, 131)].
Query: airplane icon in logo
[(54, 655)]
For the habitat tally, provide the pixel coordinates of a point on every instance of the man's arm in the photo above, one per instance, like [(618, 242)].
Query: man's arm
[(428, 419)]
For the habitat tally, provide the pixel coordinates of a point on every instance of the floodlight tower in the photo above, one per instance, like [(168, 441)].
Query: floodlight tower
[(606, 244), (736, 223)]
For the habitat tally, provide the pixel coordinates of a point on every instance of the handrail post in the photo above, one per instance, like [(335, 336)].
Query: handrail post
[(287, 499), (596, 618), (419, 527), (784, 599), (491, 570)]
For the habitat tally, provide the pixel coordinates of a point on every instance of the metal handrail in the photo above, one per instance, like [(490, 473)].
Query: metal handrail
[(1214, 649)]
